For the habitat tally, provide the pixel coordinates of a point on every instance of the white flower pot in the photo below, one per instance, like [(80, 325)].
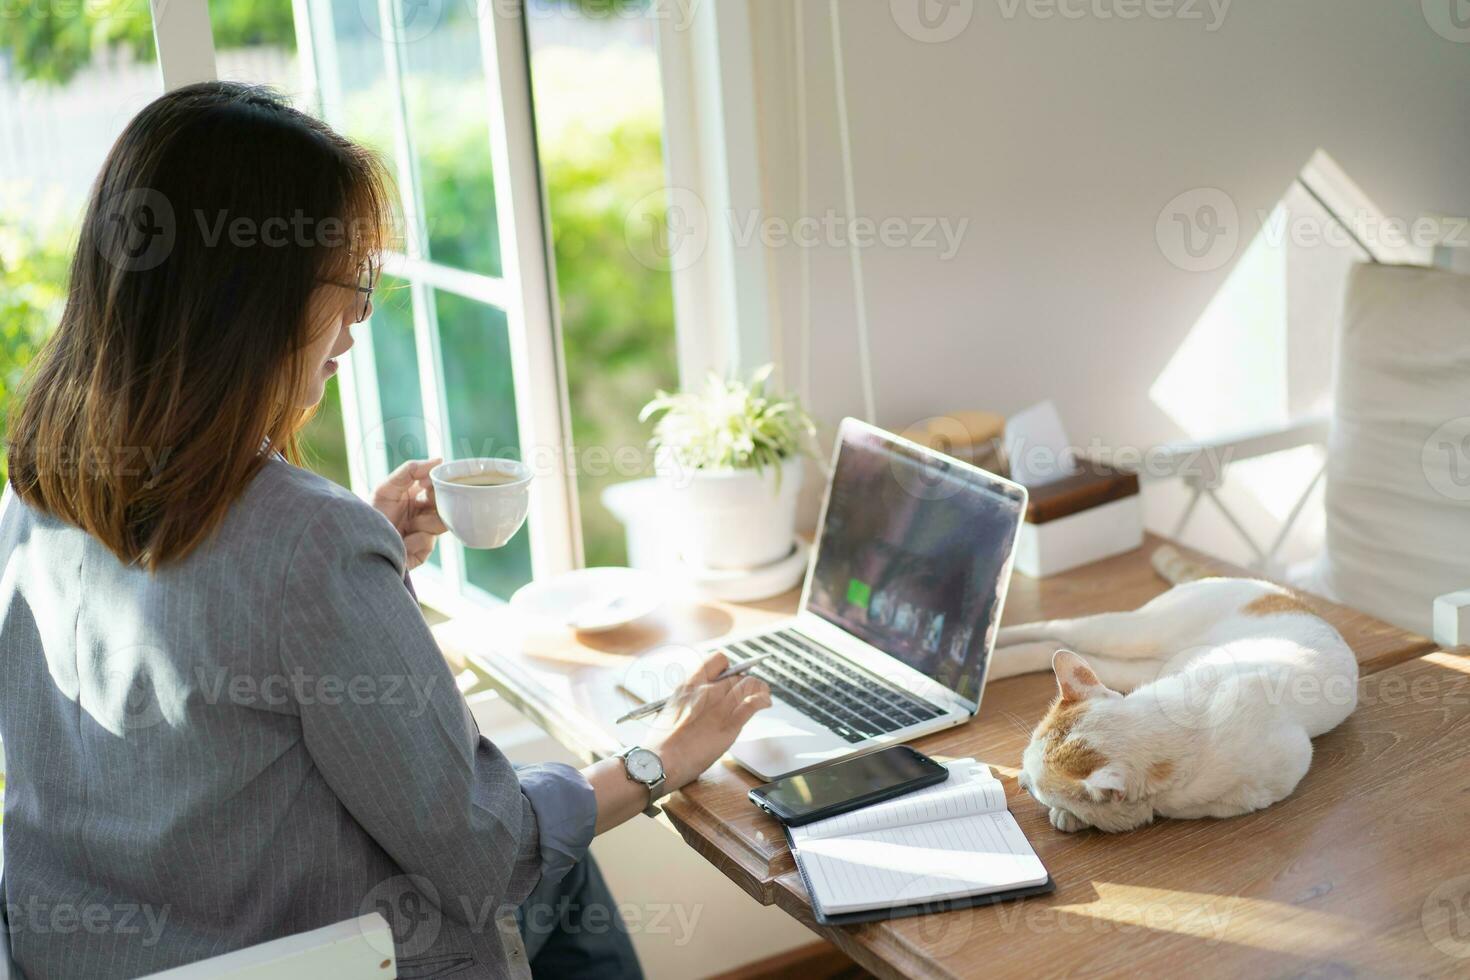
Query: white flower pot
[(733, 518)]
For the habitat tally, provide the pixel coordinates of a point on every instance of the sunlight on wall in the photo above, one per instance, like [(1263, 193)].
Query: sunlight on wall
[(1260, 354), (1230, 372)]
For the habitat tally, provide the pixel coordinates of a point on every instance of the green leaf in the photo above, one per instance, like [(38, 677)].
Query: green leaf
[(730, 424)]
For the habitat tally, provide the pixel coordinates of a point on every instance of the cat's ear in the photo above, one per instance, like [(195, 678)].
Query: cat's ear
[(1075, 680), (1106, 784)]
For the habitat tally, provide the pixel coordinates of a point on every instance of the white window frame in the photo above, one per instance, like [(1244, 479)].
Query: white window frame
[(184, 41), (724, 314), (523, 292)]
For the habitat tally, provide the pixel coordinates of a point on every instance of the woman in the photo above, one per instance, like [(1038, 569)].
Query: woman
[(224, 717)]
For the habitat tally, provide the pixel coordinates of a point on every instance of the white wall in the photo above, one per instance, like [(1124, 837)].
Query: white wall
[(1061, 140)]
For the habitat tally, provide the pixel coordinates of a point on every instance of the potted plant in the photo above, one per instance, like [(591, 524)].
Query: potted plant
[(730, 457)]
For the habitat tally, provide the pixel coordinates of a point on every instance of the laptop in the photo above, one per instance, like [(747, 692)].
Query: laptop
[(898, 614)]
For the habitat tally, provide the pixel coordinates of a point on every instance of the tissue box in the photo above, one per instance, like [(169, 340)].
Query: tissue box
[(1091, 515)]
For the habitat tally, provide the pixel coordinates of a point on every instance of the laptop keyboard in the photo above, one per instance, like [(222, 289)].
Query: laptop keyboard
[(851, 701)]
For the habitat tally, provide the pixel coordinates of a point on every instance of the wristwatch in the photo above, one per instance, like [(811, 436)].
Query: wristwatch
[(644, 766)]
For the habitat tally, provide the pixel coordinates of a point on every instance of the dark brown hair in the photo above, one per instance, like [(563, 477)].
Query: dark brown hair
[(178, 358)]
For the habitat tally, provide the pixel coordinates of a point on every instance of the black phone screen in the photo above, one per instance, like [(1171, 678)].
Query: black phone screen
[(847, 785)]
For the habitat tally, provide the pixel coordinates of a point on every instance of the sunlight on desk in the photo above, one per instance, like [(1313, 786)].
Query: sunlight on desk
[(1455, 660), (1205, 916)]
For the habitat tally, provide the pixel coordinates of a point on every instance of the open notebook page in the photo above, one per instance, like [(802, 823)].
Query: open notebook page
[(970, 788), (956, 852)]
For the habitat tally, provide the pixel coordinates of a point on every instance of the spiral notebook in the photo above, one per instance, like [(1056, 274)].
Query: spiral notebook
[(948, 846)]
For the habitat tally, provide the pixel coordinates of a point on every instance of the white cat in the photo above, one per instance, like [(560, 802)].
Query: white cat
[(1230, 680)]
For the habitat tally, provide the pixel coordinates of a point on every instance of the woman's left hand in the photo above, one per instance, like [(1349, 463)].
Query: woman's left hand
[(406, 498)]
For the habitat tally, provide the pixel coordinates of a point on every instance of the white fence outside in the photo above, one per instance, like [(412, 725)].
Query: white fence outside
[(53, 138)]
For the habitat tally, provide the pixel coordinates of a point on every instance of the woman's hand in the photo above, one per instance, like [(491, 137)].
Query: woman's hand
[(406, 498), (704, 718), (701, 722)]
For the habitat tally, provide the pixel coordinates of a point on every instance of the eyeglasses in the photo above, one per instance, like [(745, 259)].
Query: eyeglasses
[(367, 281)]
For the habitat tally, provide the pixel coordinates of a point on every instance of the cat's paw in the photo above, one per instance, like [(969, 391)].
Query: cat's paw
[(1066, 821)]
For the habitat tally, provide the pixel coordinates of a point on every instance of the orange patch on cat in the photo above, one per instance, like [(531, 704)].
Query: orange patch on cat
[(1074, 758), (1274, 603), (1160, 772), (1067, 756), (1060, 718)]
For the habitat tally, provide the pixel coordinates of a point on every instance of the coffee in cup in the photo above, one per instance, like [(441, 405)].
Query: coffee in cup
[(484, 480), (483, 500)]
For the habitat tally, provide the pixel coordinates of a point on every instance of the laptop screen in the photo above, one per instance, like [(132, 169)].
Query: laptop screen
[(913, 555)]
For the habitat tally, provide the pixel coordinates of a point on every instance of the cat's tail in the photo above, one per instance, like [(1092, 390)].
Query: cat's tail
[(1176, 567)]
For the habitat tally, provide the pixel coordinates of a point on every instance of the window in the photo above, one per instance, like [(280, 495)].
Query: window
[(70, 76), (459, 357), (599, 119)]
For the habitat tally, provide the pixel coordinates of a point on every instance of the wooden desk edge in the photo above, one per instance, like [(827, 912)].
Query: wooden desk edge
[(881, 952), (736, 862)]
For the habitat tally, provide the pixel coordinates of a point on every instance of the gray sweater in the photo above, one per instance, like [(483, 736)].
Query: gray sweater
[(255, 741)]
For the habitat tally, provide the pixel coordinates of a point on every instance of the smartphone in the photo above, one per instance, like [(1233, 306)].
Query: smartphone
[(848, 785)]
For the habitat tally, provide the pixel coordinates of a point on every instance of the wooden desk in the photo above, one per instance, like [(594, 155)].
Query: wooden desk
[(1324, 866)]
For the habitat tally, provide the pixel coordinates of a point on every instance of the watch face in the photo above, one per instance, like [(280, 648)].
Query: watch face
[(644, 766)]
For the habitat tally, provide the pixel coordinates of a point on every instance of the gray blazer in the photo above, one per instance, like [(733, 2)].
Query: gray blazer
[(255, 741)]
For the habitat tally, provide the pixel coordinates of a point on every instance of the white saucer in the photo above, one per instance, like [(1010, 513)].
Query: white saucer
[(591, 600), (749, 584)]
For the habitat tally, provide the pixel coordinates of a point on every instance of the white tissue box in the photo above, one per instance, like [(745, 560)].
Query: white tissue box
[(1079, 520)]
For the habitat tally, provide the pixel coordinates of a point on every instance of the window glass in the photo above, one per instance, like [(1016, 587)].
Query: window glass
[(353, 76), (399, 393), (71, 76), (482, 419), (449, 128), (595, 81)]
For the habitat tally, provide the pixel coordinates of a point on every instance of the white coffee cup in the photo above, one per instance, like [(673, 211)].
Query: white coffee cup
[(483, 514)]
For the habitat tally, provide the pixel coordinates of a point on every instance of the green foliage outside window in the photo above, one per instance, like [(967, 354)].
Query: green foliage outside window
[(51, 41), (33, 272)]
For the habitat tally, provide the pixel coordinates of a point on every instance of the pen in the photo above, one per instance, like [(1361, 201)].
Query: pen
[(654, 707)]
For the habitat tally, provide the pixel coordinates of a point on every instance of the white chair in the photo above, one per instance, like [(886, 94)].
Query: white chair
[(1397, 466), (357, 949), (354, 950)]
